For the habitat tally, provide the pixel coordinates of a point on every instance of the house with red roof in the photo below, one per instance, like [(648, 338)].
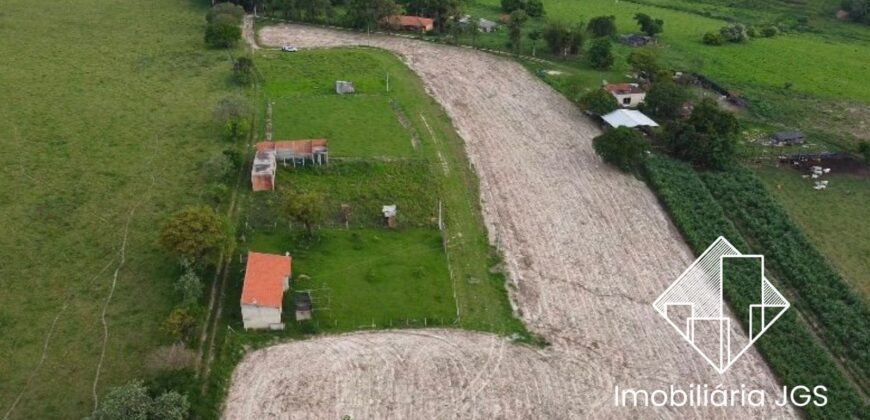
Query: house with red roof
[(409, 23), (267, 277), (627, 95)]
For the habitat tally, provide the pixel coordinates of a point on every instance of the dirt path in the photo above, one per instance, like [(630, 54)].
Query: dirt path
[(589, 249), (248, 32)]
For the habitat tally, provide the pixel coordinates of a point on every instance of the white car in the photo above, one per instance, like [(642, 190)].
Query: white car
[(289, 48)]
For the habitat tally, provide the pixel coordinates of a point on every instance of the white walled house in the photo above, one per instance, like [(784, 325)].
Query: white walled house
[(267, 277), (628, 95)]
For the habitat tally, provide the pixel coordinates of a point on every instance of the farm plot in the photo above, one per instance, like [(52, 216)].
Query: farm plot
[(587, 250)]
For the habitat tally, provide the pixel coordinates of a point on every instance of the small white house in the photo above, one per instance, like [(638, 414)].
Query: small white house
[(267, 277), (628, 118), (628, 95)]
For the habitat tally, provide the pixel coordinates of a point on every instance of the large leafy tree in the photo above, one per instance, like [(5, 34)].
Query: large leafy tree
[(598, 102), (645, 62), (369, 13), (665, 100), (648, 25), (305, 208), (707, 138), (622, 147), (602, 26), (196, 234), (601, 54), (564, 40), (133, 402), (515, 24)]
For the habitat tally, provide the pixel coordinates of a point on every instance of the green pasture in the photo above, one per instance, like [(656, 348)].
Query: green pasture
[(105, 119)]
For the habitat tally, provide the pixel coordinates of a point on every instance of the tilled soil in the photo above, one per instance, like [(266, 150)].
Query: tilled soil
[(587, 247)]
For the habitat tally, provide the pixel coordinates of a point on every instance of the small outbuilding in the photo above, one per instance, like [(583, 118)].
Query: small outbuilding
[(628, 95), (267, 277), (263, 170), (409, 23), (787, 138), (302, 303), (390, 215), (628, 118), (635, 40), (342, 87)]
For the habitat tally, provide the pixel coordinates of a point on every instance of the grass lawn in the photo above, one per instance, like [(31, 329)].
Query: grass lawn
[(104, 122), (368, 278), (836, 219)]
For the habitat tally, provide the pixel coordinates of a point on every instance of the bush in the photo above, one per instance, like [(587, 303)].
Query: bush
[(233, 115), (734, 33), (189, 286), (713, 38), (601, 54), (172, 357), (864, 150), (179, 324), (598, 102), (194, 233), (622, 147), (769, 31), (243, 71), (132, 401), (533, 8)]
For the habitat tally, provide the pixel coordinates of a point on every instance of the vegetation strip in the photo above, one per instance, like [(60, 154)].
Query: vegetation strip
[(843, 317), (789, 348)]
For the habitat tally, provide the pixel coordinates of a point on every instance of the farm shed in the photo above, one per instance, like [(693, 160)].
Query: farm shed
[(628, 118), (314, 150), (409, 23), (635, 40), (486, 25), (342, 87), (626, 94), (267, 277), (302, 303), (787, 138), (263, 170)]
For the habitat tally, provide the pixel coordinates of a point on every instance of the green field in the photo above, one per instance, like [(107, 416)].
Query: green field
[(368, 278), (836, 219), (104, 121)]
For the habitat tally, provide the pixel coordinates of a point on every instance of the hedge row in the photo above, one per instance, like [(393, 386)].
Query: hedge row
[(844, 319), (789, 348)]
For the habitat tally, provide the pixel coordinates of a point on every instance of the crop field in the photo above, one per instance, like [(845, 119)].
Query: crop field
[(582, 287), (105, 118), (835, 219)]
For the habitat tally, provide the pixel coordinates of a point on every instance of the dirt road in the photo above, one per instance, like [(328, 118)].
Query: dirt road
[(588, 248)]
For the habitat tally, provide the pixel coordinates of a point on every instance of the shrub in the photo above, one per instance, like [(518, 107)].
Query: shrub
[(132, 401), (233, 115), (864, 150), (243, 71), (713, 38), (222, 35), (648, 25), (194, 233), (622, 147), (769, 31), (734, 33), (598, 102), (189, 286), (172, 357), (533, 8), (601, 54), (179, 324)]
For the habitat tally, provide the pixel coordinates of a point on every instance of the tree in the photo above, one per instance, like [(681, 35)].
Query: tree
[(713, 38), (534, 36), (622, 147), (305, 208), (563, 40), (535, 8), (132, 402), (369, 13), (243, 71), (665, 100), (509, 6), (769, 31), (194, 233), (233, 114), (648, 25), (222, 34), (179, 323), (602, 26), (601, 54), (707, 138), (227, 9), (734, 33), (189, 286), (645, 62), (598, 102), (515, 29), (859, 10)]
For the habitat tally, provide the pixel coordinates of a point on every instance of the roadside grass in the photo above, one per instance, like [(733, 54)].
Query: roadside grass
[(366, 278), (835, 219), (108, 126)]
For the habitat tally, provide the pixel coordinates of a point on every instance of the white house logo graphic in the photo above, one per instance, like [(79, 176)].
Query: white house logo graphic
[(693, 305)]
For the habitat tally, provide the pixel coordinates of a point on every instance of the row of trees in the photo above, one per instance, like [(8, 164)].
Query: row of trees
[(223, 27), (737, 33)]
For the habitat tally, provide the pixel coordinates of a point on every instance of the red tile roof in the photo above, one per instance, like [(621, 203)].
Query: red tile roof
[(416, 21), (264, 279), (622, 88), (297, 146)]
